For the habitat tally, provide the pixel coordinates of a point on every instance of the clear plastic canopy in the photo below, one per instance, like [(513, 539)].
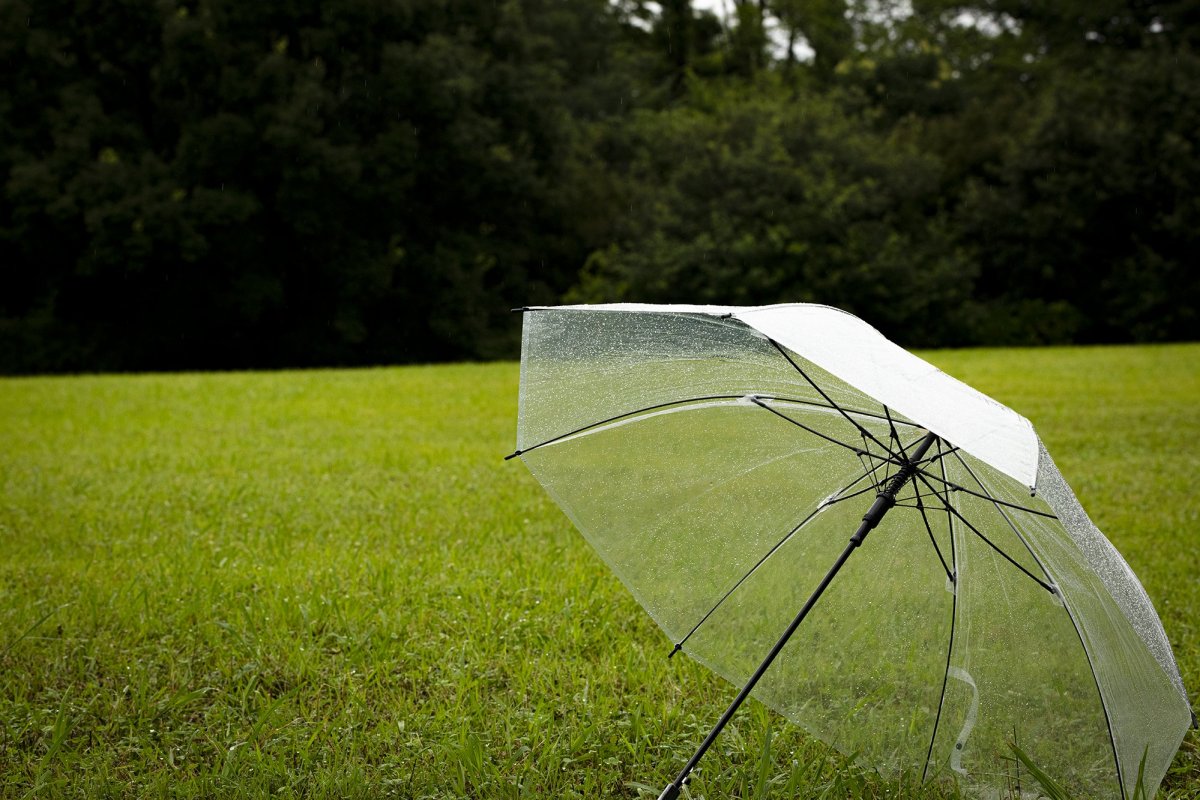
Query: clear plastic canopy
[(718, 459)]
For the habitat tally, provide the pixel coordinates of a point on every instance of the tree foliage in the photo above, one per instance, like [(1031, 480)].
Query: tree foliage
[(751, 199), (206, 183)]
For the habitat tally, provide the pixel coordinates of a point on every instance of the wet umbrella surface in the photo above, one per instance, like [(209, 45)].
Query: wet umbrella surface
[(720, 460)]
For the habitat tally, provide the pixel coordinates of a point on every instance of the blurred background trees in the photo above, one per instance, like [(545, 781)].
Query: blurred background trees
[(213, 184)]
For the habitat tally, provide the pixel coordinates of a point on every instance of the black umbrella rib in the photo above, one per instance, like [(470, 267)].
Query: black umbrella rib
[(685, 401), (892, 425), (937, 721), (774, 548), (895, 437), (758, 401), (929, 529), (869, 469), (957, 515), (1000, 505), (858, 412), (945, 681), (942, 455), (923, 461), (874, 487), (954, 487), (783, 352)]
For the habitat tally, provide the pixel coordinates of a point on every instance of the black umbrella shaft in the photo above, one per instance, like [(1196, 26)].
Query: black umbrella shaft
[(672, 790), (883, 503)]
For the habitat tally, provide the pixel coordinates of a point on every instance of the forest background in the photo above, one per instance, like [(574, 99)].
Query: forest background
[(196, 184)]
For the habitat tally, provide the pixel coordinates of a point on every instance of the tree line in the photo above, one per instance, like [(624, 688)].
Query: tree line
[(219, 184)]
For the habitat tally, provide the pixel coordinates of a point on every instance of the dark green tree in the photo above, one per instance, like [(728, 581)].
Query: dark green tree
[(205, 183), (758, 199), (213, 183)]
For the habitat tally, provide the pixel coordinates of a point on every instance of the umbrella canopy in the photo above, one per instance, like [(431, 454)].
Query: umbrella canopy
[(718, 458)]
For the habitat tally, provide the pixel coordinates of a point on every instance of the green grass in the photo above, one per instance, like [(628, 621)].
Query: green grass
[(329, 584)]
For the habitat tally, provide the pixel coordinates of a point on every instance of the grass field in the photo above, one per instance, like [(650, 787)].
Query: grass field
[(329, 584)]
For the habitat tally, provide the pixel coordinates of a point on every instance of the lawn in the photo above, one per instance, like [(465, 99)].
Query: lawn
[(330, 584)]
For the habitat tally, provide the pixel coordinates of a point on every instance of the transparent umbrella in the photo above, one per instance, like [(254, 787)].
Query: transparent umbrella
[(720, 460)]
